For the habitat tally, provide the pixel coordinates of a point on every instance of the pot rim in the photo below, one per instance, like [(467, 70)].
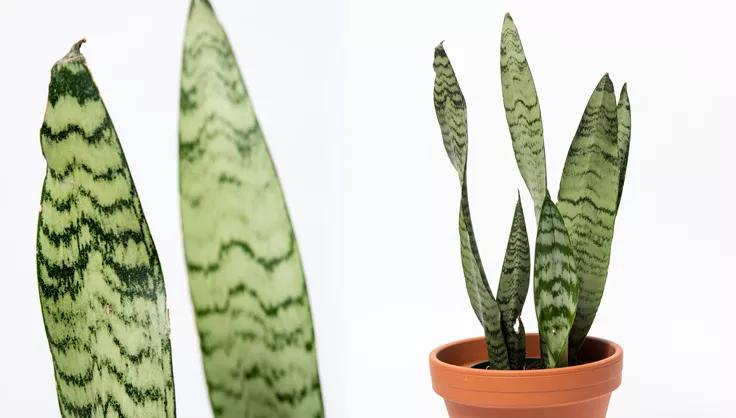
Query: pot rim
[(616, 357)]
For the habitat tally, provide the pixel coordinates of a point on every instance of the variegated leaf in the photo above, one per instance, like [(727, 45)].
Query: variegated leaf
[(623, 111), (451, 112), (513, 287), (555, 286), (99, 278), (523, 114), (449, 105), (587, 201), (245, 270)]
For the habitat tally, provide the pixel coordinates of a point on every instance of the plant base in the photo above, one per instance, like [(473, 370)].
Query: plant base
[(581, 391)]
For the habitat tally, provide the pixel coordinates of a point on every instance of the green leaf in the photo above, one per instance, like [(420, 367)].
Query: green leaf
[(513, 287), (99, 278), (449, 105), (623, 111), (245, 271), (523, 114), (555, 285), (588, 199)]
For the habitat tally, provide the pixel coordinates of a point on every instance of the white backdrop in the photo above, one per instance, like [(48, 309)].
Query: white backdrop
[(672, 264), (344, 93), (290, 54)]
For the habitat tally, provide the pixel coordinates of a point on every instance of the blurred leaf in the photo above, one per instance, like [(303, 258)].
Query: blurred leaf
[(245, 271)]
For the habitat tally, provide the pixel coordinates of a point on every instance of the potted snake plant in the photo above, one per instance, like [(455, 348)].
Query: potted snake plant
[(561, 371)]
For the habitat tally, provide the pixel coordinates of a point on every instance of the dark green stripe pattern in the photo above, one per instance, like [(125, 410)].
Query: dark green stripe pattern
[(99, 278), (513, 287), (555, 286), (588, 200), (623, 112), (523, 113), (451, 111), (245, 272)]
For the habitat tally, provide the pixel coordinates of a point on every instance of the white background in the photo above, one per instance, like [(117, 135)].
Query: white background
[(344, 93), (668, 299), (290, 55)]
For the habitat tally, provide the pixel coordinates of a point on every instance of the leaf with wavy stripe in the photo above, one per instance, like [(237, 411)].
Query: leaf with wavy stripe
[(99, 278), (588, 199), (450, 107), (513, 287), (523, 114), (623, 112), (245, 271), (555, 286)]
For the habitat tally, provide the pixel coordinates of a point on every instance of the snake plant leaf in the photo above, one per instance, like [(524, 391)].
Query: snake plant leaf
[(587, 201), (245, 271), (99, 278), (555, 285), (449, 104), (513, 287), (623, 111), (523, 114)]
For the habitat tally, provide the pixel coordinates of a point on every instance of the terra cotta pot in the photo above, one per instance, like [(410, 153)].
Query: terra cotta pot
[(581, 391)]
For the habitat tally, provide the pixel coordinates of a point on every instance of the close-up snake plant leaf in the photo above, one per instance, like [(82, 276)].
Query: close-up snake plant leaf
[(245, 271), (588, 198), (573, 241), (451, 111), (99, 278)]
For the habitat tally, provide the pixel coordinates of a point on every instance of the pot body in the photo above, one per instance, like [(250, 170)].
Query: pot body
[(571, 392)]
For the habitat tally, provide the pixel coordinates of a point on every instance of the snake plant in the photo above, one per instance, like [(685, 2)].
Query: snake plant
[(573, 239), (245, 272), (99, 278)]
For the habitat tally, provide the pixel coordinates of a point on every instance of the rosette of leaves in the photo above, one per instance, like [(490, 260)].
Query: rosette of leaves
[(573, 238)]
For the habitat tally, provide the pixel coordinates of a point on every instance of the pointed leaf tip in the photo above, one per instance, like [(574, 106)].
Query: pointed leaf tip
[(606, 84), (74, 53), (77, 46)]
